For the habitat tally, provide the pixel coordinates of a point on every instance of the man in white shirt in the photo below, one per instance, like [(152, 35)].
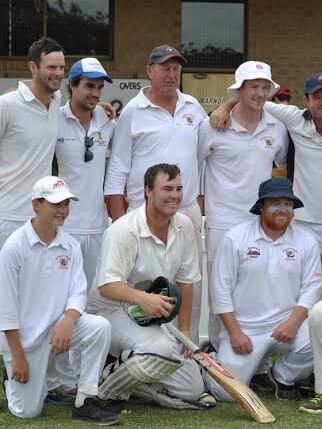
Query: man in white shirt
[(28, 133), (238, 160), (305, 128), (42, 309), (159, 125), (151, 241), (82, 151), (266, 277)]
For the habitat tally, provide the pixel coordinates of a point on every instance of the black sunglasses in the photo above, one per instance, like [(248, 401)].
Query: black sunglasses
[(88, 156)]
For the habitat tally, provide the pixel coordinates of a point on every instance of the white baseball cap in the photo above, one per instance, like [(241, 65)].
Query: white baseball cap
[(52, 189), (252, 70)]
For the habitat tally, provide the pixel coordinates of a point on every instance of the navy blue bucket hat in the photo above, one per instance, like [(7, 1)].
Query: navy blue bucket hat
[(277, 187)]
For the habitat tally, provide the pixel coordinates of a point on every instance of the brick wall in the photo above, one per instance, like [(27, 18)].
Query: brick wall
[(139, 26), (287, 35), (284, 33)]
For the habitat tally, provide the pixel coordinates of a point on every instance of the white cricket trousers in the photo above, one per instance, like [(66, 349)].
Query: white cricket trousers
[(90, 246), (213, 238), (185, 383), (315, 331), (91, 335), (296, 362), (194, 214)]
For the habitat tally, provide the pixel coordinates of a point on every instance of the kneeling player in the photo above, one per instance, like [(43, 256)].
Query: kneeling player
[(151, 241), (42, 301), (267, 276)]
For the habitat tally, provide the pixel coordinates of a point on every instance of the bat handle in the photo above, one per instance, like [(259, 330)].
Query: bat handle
[(182, 338)]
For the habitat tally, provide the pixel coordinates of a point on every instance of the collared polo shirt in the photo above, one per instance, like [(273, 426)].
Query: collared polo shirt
[(262, 280), (147, 134), (236, 162), (38, 283), (85, 179), (307, 181), (28, 133), (131, 253)]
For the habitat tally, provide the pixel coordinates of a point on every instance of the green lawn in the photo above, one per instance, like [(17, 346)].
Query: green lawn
[(224, 416)]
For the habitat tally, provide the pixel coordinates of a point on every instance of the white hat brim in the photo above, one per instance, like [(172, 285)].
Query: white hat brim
[(58, 198), (233, 90)]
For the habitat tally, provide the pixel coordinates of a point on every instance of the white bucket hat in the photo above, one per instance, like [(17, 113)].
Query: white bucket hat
[(52, 189), (252, 70)]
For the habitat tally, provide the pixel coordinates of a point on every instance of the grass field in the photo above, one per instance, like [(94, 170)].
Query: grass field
[(223, 416)]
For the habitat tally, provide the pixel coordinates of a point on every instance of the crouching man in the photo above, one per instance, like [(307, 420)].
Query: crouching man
[(42, 301), (151, 241), (266, 277)]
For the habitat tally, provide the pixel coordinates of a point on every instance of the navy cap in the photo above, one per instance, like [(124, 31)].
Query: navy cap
[(90, 68), (277, 187), (163, 53), (313, 83)]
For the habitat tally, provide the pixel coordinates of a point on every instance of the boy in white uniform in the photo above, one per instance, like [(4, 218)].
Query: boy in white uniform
[(82, 151), (266, 277), (42, 303)]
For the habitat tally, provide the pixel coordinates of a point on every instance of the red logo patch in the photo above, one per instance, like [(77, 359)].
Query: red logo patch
[(259, 66)]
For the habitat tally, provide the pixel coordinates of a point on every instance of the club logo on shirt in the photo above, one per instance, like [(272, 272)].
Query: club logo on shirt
[(100, 135), (63, 261), (189, 118), (269, 142), (290, 254), (60, 140), (253, 252)]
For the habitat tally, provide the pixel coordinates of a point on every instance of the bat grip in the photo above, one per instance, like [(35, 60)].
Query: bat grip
[(182, 338)]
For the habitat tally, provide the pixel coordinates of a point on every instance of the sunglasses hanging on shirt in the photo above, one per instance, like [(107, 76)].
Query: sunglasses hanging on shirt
[(88, 156)]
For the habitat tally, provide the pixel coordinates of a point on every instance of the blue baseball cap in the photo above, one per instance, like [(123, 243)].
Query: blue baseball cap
[(277, 187), (313, 83), (90, 68)]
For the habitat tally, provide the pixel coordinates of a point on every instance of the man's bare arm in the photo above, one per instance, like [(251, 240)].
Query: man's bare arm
[(115, 206), (220, 118)]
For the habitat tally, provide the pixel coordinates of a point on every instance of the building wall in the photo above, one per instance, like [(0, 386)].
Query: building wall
[(284, 33), (287, 35), (139, 25)]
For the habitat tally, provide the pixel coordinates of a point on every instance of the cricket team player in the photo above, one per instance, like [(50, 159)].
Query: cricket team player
[(26, 152), (151, 241), (266, 278), (42, 310), (82, 151), (237, 160), (159, 125)]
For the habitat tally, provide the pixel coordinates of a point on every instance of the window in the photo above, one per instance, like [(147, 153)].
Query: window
[(82, 27), (212, 33)]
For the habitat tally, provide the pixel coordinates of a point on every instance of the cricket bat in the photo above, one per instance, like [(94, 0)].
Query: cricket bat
[(243, 395)]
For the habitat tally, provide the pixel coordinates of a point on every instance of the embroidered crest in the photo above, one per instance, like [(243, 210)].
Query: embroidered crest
[(63, 261), (269, 142), (290, 254), (189, 118), (100, 135), (253, 252)]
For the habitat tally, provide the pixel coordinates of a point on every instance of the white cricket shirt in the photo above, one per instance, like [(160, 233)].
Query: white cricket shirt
[(131, 253), (28, 133), (146, 135), (38, 283), (236, 162), (85, 179), (307, 182), (261, 280)]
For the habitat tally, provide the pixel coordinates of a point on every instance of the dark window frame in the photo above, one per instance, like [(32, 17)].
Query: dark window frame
[(205, 69), (109, 43)]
